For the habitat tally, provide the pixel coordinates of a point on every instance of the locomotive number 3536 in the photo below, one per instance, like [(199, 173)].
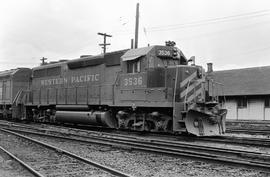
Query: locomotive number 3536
[(132, 81)]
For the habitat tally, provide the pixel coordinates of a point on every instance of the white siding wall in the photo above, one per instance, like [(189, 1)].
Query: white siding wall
[(243, 113), (254, 111), (231, 107), (267, 113)]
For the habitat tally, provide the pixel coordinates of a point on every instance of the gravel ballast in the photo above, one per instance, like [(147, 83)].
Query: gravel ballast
[(147, 164), (46, 161)]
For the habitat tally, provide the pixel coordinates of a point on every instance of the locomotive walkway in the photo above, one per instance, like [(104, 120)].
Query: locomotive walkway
[(56, 162), (244, 158)]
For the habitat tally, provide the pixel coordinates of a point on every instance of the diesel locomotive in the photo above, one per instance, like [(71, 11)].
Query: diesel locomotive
[(152, 88)]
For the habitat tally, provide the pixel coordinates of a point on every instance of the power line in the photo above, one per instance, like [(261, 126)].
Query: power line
[(211, 21), (200, 23), (231, 30), (250, 52)]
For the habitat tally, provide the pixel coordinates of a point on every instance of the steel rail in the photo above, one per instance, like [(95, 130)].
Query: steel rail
[(229, 121), (165, 143), (25, 165), (207, 154), (250, 141), (258, 142), (85, 160), (249, 131)]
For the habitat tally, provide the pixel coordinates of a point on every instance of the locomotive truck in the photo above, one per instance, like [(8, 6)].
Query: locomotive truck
[(145, 89)]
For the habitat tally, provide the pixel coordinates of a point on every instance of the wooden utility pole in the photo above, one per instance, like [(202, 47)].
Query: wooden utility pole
[(132, 44), (43, 59), (137, 27), (104, 41)]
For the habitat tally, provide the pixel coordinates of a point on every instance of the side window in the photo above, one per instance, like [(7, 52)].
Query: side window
[(134, 66), (129, 66), (242, 103), (267, 102), (138, 66)]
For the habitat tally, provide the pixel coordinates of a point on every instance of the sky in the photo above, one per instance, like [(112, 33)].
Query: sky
[(229, 33)]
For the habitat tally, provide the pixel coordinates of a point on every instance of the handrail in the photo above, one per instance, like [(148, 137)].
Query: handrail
[(174, 92), (15, 100), (185, 99), (116, 79)]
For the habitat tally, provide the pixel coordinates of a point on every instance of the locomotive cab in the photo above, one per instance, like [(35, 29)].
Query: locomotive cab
[(143, 59), (146, 83), (145, 67), (144, 74)]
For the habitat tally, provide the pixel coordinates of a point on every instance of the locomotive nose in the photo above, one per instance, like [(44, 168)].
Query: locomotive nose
[(205, 124)]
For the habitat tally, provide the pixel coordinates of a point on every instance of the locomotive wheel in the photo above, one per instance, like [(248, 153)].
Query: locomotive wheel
[(168, 125), (139, 125)]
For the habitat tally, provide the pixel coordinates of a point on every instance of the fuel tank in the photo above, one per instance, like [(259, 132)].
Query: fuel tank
[(98, 118)]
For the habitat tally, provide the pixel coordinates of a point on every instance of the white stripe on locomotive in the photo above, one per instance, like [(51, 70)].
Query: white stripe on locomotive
[(189, 78), (190, 88)]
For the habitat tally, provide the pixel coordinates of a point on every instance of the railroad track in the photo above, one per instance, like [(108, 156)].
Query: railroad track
[(249, 131), (230, 156), (248, 127), (244, 141), (42, 159)]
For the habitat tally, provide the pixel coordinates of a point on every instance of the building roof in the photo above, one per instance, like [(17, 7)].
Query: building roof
[(246, 81)]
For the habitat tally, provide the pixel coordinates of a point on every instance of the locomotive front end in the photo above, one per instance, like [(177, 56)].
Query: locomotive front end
[(167, 93), (197, 108)]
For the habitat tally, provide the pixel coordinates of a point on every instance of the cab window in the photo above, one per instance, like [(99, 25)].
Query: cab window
[(134, 66), (170, 62)]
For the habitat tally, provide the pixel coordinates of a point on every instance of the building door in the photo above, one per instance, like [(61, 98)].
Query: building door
[(267, 114), (256, 109), (4, 89)]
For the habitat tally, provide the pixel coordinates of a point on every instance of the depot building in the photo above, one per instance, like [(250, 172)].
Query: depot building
[(246, 91)]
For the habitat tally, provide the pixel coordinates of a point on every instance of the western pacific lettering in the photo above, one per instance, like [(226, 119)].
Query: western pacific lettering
[(71, 79)]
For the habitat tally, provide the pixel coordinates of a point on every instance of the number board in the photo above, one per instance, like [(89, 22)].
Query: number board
[(133, 80), (164, 53)]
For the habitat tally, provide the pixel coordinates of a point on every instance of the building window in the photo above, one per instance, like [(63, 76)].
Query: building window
[(242, 103), (134, 66), (267, 102)]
